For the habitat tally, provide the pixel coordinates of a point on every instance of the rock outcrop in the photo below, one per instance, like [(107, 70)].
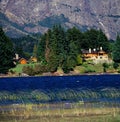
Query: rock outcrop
[(19, 17)]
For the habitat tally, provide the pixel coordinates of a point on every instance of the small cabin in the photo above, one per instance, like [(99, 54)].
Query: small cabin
[(33, 59), (23, 61)]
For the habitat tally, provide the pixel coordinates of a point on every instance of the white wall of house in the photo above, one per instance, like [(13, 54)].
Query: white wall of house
[(102, 59)]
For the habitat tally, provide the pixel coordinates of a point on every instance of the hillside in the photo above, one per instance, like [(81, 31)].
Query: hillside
[(28, 16)]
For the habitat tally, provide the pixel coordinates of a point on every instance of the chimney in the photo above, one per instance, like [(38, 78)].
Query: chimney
[(90, 50), (100, 48), (16, 56), (94, 49)]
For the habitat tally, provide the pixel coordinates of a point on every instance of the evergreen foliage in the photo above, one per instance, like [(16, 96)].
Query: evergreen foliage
[(115, 65), (116, 50), (41, 48), (105, 66), (6, 53), (60, 48), (35, 50), (95, 39), (24, 46)]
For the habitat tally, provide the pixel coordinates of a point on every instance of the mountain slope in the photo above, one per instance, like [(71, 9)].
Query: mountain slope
[(30, 16)]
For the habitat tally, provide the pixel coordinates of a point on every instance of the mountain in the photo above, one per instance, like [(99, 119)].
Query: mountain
[(22, 17)]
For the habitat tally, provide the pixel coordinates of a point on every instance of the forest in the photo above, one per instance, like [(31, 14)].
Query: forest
[(62, 48), (58, 47)]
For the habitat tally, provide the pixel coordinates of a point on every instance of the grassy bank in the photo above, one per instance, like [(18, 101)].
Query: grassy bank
[(95, 68), (86, 67), (51, 113), (19, 67)]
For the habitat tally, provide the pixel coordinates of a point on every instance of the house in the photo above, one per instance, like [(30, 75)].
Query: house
[(89, 54), (33, 59), (23, 61), (97, 56)]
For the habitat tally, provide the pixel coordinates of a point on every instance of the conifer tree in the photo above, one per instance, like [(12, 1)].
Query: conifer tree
[(95, 39), (47, 45), (116, 51), (6, 53), (41, 48), (35, 50)]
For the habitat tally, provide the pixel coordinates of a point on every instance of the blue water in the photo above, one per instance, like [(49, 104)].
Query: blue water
[(60, 88), (60, 82)]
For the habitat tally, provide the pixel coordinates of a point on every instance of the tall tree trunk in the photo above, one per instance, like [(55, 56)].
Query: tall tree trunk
[(47, 49)]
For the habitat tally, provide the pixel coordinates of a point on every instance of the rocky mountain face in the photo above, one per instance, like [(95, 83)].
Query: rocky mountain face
[(20, 17)]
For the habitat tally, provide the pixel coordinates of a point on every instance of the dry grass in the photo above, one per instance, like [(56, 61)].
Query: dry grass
[(54, 112)]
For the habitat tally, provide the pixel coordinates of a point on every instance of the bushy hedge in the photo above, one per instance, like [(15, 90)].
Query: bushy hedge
[(89, 70), (37, 69)]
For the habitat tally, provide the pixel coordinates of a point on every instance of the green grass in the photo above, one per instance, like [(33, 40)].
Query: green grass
[(94, 68), (19, 67), (86, 67), (97, 68)]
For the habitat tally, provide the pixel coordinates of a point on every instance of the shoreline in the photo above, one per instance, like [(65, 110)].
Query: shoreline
[(57, 75)]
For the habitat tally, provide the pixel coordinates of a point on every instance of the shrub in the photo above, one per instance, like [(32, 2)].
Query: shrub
[(85, 64), (39, 69), (105, 66), (79, 60), (28, 70), (115, 65), (119, 71), (89, 71)]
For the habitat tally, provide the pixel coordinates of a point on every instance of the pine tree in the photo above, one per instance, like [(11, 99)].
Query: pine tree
[(116, 51), (95, 39), (41, 48), (6, 53), (52, 43), (47, 45), (73, 49), (35, 50), (102, 41)]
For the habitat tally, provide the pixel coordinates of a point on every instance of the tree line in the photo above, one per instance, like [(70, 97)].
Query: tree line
[(59, 47), (7, 53), (24, 45), (62, 48)]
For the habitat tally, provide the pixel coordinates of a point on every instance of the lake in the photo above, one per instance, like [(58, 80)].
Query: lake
[(87, 88)]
